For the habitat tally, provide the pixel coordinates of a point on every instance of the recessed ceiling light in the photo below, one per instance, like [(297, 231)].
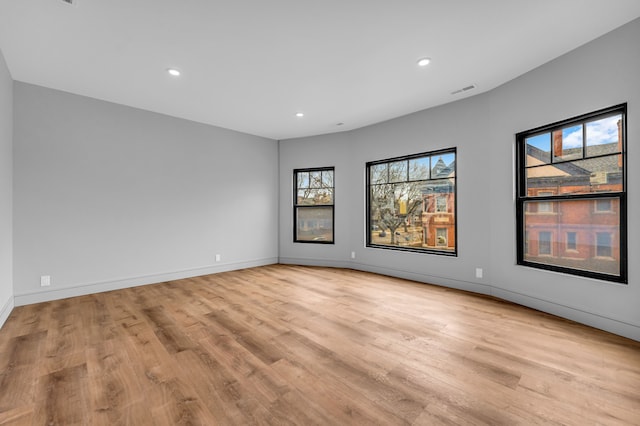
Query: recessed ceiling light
[(299, 114), (174, 72), (423, 62)]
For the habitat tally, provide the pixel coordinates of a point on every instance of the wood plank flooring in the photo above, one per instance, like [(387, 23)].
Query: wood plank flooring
[(293, 345)]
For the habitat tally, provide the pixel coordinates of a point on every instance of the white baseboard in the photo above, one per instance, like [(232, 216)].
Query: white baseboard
[(610, 325), (424, 278), (398, 273), (331, 263), (117, 284), (6, 311)]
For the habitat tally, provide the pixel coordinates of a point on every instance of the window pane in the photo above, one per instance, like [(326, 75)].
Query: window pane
[(379, 173), (603, 174), (305, 196), (397, 216), (443, 166), (321, 196), (314, 224), (539, 149), (419, 168), (398, 171), (604, 136), (303, 179), (593, 239), (327, 178), (325, 196), (567, 143), (315, 179)]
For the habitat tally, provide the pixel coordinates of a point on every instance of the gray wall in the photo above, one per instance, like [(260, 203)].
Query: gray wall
[(600, 74), (597, 75), (6, 188), (108, 196)]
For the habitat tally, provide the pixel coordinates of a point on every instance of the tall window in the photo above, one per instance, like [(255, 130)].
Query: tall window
[(544, 243), (574, 169), (572, 243), (411, 203), (313, 194)]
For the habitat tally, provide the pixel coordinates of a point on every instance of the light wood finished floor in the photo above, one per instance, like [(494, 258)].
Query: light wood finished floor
[(308, 345)]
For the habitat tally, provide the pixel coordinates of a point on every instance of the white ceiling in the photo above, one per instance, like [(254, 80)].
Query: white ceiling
[(250, 65)]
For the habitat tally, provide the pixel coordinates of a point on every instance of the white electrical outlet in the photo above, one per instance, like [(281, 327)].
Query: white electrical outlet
[(353, 254), (45, 280), (218, 258), (478, 272)]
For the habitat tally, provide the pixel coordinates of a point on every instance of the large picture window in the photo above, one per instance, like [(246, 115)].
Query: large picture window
[(571, 196), (411, 203), (313, 215)]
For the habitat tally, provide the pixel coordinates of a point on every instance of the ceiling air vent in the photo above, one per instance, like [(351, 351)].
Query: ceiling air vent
[(464, 89)]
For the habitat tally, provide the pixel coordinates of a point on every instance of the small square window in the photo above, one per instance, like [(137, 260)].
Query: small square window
[(603, 205), (545, 206), (603, 244)]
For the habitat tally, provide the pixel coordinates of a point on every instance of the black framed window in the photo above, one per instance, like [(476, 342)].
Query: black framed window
[(313, 207), (411, 203), (571, 183)]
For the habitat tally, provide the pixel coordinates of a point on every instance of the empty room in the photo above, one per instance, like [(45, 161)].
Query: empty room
[(319, 213)]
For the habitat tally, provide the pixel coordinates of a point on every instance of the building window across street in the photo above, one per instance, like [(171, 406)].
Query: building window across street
[(603, 244), (313, 206), (572, 243), (411, 203), (574, 169), (544, 243), (603, 205)]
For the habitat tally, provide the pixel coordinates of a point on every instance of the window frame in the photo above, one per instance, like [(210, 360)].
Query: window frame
[(297, 207), (454, 209), (522, 198)]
